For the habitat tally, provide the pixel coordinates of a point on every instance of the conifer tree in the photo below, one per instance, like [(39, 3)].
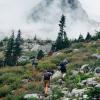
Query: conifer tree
[(59, 42), (62, 39), (80, 39), (98, 35), (66, 42), (88, 37), (40, 54), (17, 48), (9, 51)]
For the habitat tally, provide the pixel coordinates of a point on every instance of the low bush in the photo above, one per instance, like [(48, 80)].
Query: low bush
[(35, 86), (18, 97), (4, 90), (46, 65), (93, 94), (57, 94), (57, 59)]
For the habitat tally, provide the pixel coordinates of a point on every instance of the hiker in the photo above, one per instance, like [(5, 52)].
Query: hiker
[(34, 63), (46, 79), (63, 67)]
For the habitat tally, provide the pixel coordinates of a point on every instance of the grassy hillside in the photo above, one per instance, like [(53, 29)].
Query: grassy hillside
[(17, 81)]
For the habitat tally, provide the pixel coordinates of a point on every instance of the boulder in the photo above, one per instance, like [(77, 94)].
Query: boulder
[(65, 98), (97, 71), (97, 86), (85, 96), (85, 68), (25, 81), (78, 92), (74, 72), (76, 50), (96, 56), (57, 74), (90, 82), (28, 96)]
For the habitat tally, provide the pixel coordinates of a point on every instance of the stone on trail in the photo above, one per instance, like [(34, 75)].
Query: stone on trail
[(85, 68), (97, 86), (97, 71), (76, 50), (90, 81), (28, 96), (96, 56), (57, 74), (78, 92)]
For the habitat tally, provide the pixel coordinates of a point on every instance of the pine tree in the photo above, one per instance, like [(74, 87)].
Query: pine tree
[(62, 25), (59, 42), (98, 35), (40, 54), (9, 51), (66, 42), (17, 48), (80, 39), (88, 37)]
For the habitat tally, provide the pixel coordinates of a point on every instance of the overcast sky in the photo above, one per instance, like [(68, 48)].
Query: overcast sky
[(92, 7), (13, 12)]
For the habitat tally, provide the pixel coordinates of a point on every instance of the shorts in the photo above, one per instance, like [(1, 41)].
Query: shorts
[(46, 82)]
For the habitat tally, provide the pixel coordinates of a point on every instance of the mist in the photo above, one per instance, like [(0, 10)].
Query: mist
[(14, 15)]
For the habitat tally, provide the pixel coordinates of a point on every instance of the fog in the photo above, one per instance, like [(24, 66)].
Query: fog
[(14, 13)]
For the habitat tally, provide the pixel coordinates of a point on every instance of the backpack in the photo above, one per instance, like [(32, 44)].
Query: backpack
[(47, 76), (62, 66)]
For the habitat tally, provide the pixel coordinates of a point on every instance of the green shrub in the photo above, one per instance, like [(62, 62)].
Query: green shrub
[(56, 60), (46, 65), (85, 76), (97, 62), (36, 87), (93, 94), (57, 94), (8, 78), (68, 51), (12, 97), (78, 45), (4, 90), (33, 99), (15, 85), (23, 63)]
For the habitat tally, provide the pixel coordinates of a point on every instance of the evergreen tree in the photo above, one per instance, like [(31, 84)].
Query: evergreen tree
[(88, 37), (40, 54), (59, 42), (17, 47), (9, 51), (80, 39), (66, 42), (53, 48), (62, 25), (98, 35), (62, 39)]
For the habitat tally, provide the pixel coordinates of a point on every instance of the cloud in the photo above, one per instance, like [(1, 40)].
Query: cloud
[(92, 8), (13, 14)]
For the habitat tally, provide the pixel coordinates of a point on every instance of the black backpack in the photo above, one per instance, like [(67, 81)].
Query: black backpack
[(47, 76)]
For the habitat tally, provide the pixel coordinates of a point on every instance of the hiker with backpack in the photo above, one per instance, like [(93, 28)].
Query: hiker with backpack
[(34, 63), (46, 78), (63, 67)]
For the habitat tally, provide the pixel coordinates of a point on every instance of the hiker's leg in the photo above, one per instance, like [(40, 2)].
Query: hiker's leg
[(46, 87)]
